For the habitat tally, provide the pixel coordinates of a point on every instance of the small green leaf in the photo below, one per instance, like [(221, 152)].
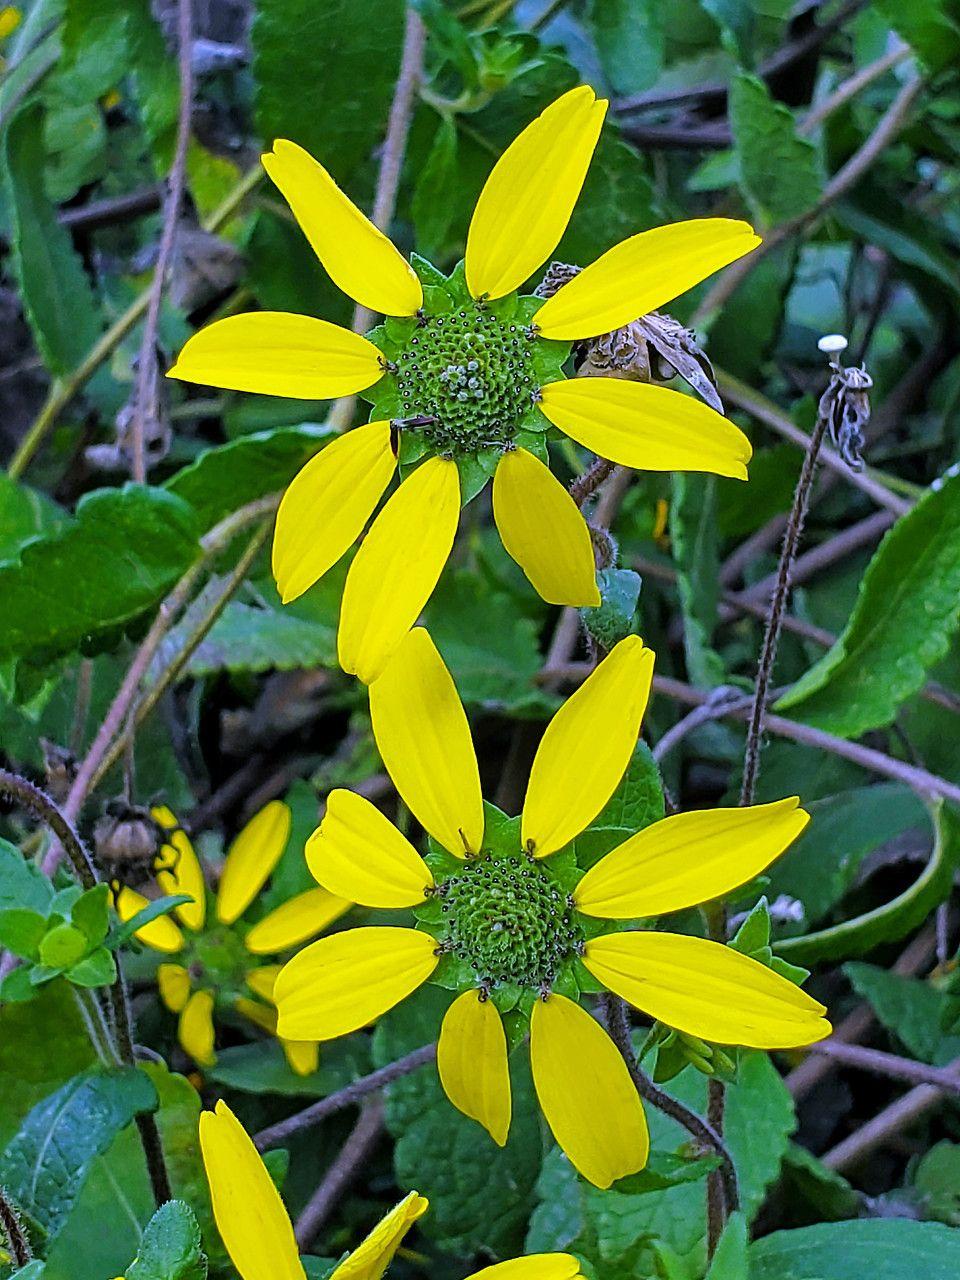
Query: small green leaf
[(929, 27), (730, 1260), (629, 35), (693, 528), (99, 969), (246, 638), (21, 931), (91, 914), (883, 1249), (613, 618), (21, 883), (62, 947), (431, 212), (158, 907), (913, 1011), (779, 171), (171, 1247)]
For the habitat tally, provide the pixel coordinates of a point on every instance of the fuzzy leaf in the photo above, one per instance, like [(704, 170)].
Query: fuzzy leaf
[(778, 170), (171, 1247)]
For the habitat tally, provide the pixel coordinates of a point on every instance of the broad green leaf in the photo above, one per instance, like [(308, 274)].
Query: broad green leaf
[(828, 1193), (618, 200), (22, 883), (906, 613), (21, 931), (730, 1260), (262, 1068), (636, 803), (81, 583), (693, 529), (24, 514), (431, 213), (779, 172), (629, 36), (736, 20), (930, 27), (246, 638), (883, 1249), (913, 1011), (171, 1247)]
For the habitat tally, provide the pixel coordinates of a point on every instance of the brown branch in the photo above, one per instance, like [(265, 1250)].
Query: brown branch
[(364, 1136), (888, 1064)]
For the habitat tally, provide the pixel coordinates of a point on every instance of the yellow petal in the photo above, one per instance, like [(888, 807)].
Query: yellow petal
[(585, 1092), (472, 1062), (586, 748), (173, 983), (423, 736), (303, 1056), (195, 1029), (327, 504), (179, 870), (279, 354), (263, 979), (394, 572), (349, 979), (360, 854), (251, 858), (360, 259), (543, 530), (688, 858), (706, 989), (527, 200), (162, 934), (250, 1216), (260, 1014), (535, 1266), (647, 427), (295, 921), (374, 1254), (641, 274)]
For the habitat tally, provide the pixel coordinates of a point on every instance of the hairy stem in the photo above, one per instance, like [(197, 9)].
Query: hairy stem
[(12, 1231)]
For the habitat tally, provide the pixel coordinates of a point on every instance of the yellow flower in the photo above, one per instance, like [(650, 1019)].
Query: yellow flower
[(516, 934), (212, 960), (465, 378), (258, 1235), (10, 18)]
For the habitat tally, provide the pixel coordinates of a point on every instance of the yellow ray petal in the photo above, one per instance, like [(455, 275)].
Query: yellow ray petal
[(688, 858), (472, 1062), (360, 259), (359, 853), (250, 1216), (528, 198), (394, 572), (374, 1254), (303, 1056), (162, 934), (327, 504), (251, 858), (195, 1029), (263, 979), (259, 1014), (173, 983), (706, 989), (586, 747), (647, 427), (179, 870), (543, 530), (349, 979), (535, 1266), (423, 736), (279, 354), (641, 274), (295, 921), (575, 1066)]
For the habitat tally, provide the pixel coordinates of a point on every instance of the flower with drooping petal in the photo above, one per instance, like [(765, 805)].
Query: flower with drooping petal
[(465, 379), (507, 918), (258, 1235), (222, 962)]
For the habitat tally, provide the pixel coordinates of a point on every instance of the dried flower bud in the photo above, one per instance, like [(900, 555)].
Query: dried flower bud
[(128, 840), (60, 767), (846, 406)]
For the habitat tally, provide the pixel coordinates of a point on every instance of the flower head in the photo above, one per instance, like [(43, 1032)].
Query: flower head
[(258, 1234), (221, 962), (507, 918), (466, 379)]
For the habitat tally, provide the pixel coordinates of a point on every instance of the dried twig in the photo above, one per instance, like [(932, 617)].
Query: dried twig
[(363, 1138)]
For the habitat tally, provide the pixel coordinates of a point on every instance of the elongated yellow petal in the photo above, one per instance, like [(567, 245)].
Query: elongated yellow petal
[(327, 504), (173, 983), (585, 1092), (263, 979), (423, 736), (303, 1056), (641, 274), (360, 259), (162, 934), (279, 354), (586, 748), (527, 200), (688, 858), (251, 858), (260, 1014), (348, 979), (394, 572), (706, 989), (295, 921), (647, 427), (179, 870), (195, 1029), (543, 530), (472, 1062), (535, 1266), (253, 1223), (360, 854), (374, 1254)]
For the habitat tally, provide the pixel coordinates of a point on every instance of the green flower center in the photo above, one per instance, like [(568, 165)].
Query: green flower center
[(217, 958), (466, 379), (508, 920)]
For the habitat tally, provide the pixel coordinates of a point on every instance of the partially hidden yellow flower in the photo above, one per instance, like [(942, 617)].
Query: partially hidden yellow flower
[(258, 1235), (215, 961), (465, 378), (507, 918)]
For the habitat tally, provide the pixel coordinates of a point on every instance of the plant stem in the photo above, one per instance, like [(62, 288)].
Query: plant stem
[(11, 1230), (363, 1138), (38, 802)]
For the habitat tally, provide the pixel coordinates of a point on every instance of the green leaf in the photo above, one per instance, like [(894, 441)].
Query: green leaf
[(693, 528), (928, 27), (779, 172), (629, 36), (152, 911), (826, 1191), (618, 199), (45, 1165), (73, 588), (636, 803), (883, 1249), (171, 1247), (262, 1068), (246, 638), (99, 969), (913, 1011), (872, 215), (905, 615), (22, 884), (431, 213), (91, 912), (24, 514), (730, 1260), (613, 618), (21, 931), (56, 293), (62, 946), (736, 20)]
